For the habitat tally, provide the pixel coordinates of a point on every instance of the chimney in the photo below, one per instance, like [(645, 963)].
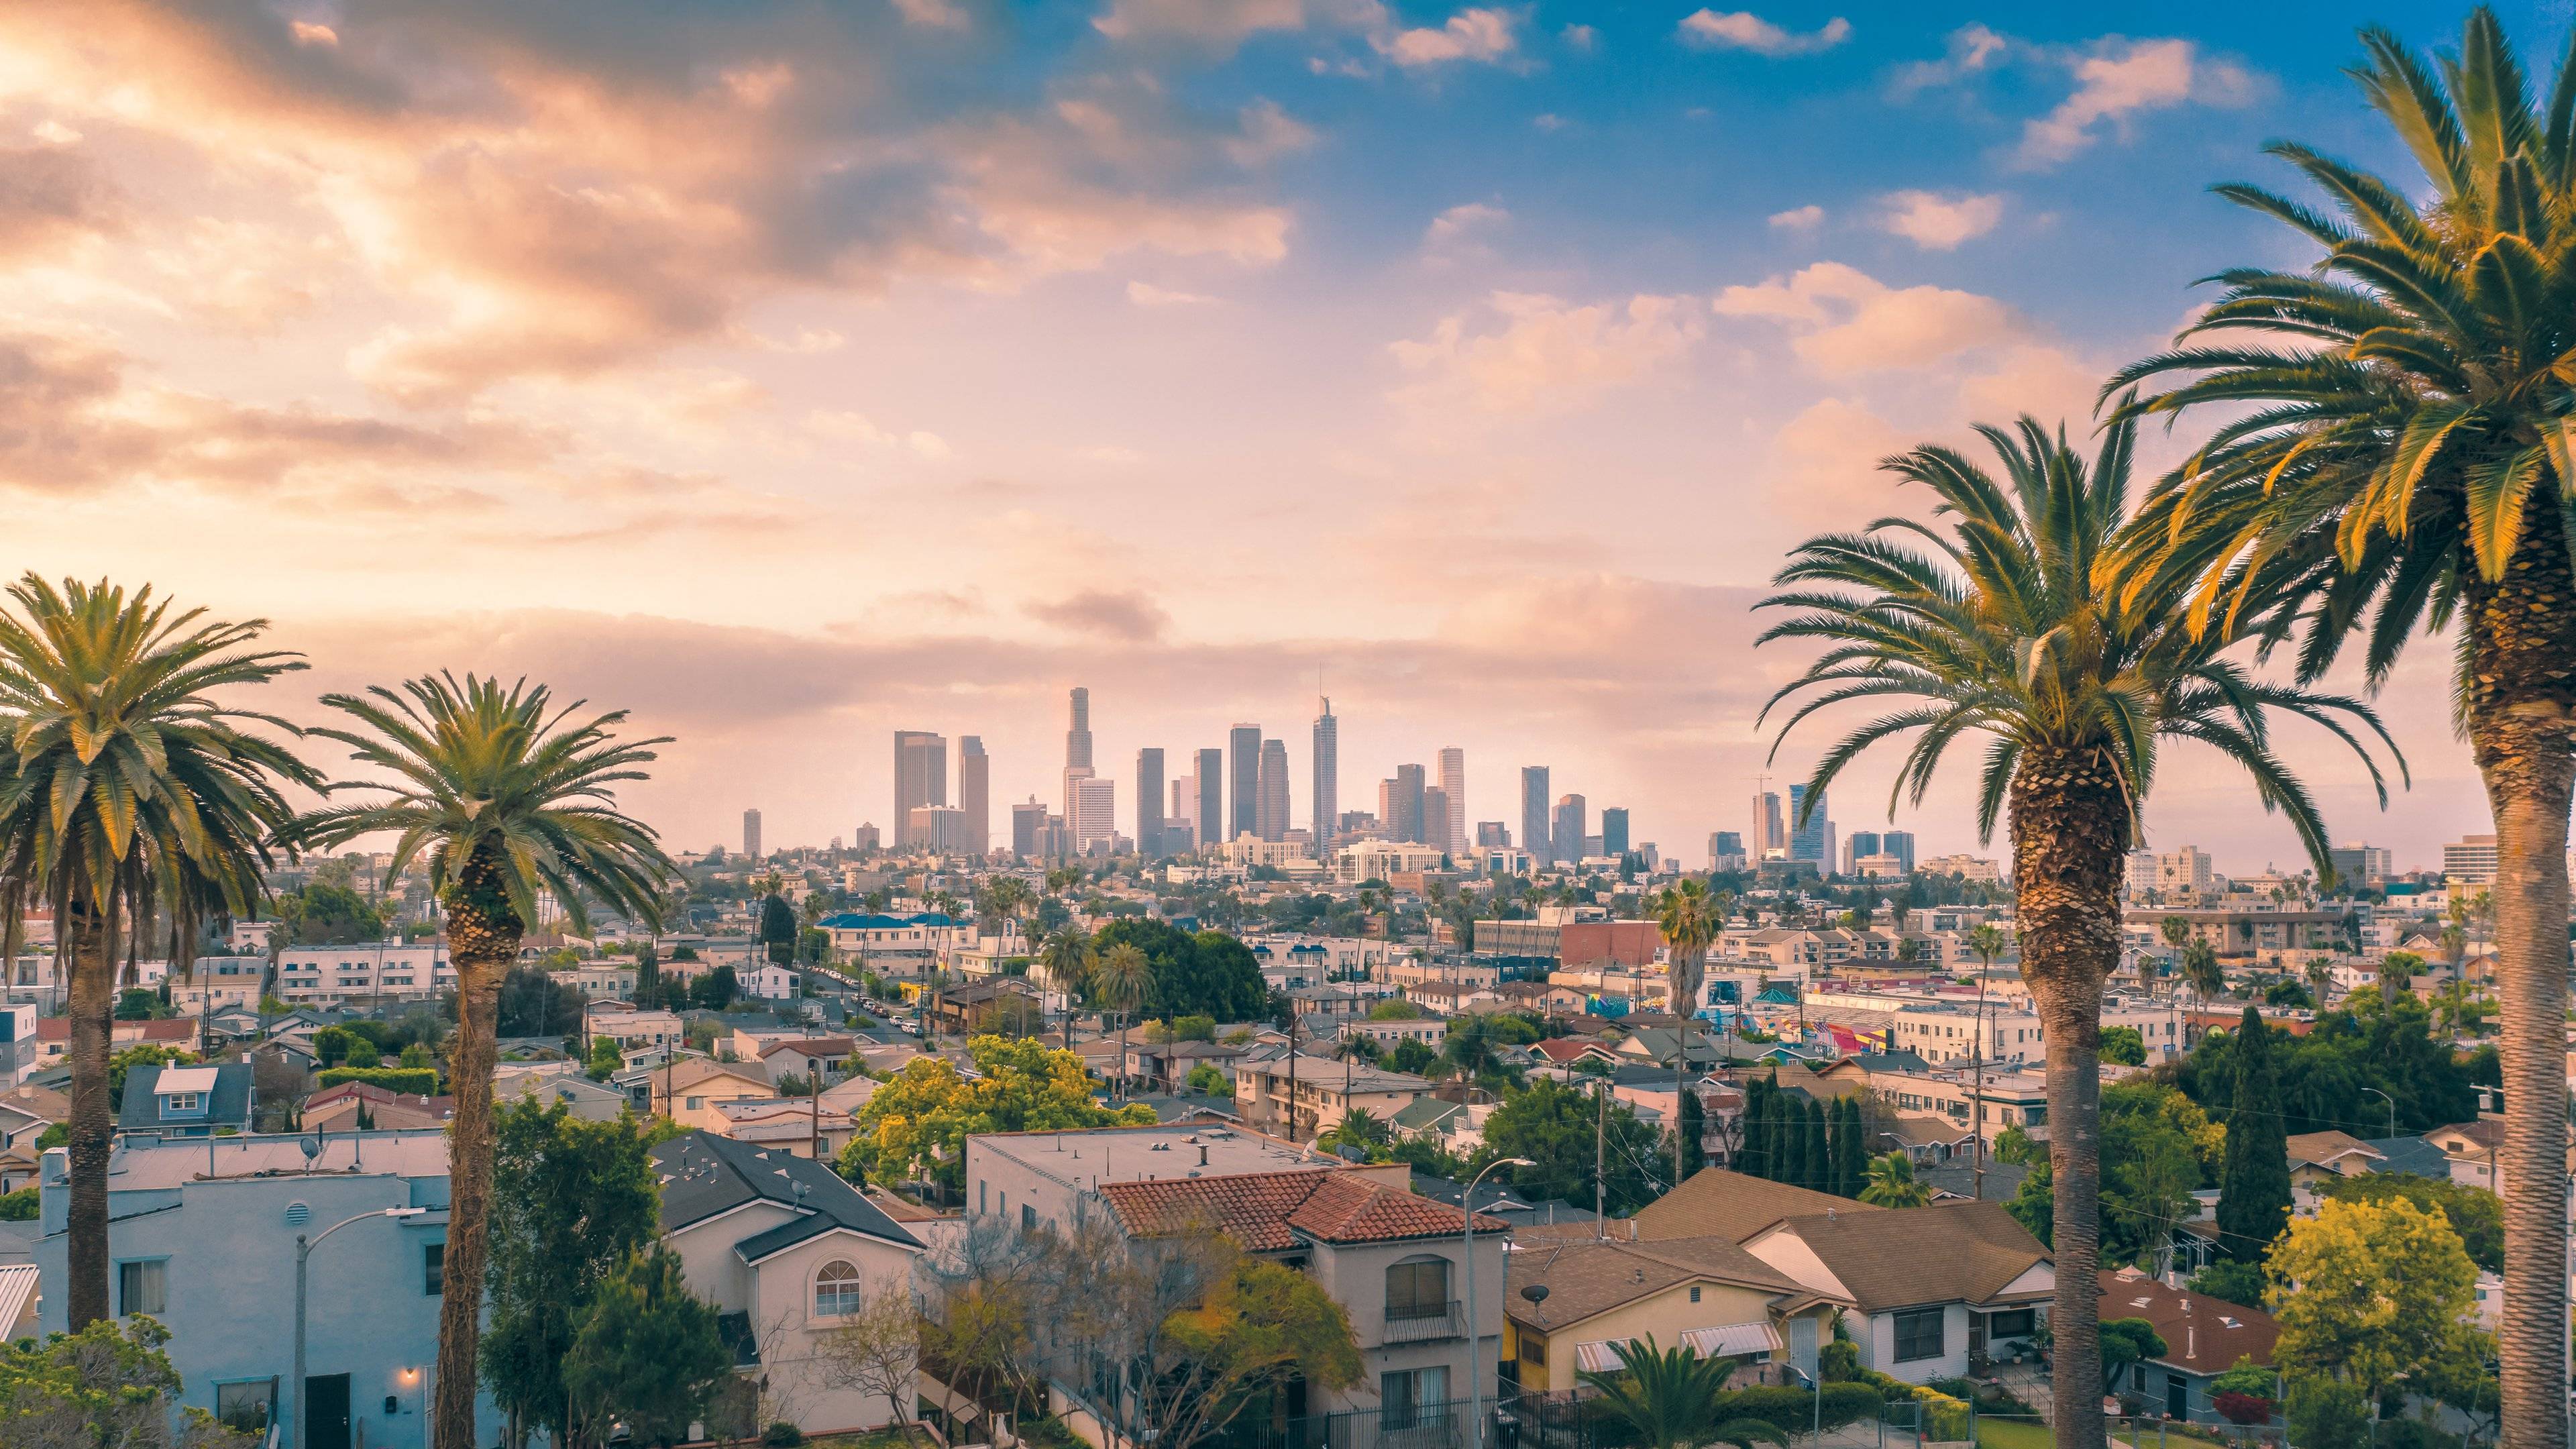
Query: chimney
[(1203, 1154)]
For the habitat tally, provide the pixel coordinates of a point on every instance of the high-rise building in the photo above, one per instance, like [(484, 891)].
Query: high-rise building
[(1328, 777), (1211, 778), (1898, 843), (937, 827), (1453, 783), (1095, 812), (1077, 733), (865, 837), (1493, 835), (1534, 836), (2359, 863), (1566, 832), (1766, 837), (751, 834), (1614, 830), (1271, 819), (1185, 801), (1028, 824), (1406, 803), (1856, 845), (1435, 817), (1149, 802), (920, 778), (1725, 850), (1811, 831), (974, 795), (1243, 744)]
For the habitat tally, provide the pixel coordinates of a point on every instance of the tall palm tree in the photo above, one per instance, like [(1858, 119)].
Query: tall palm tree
[(2012, 619), (1688, 918), (1123, 979), (2202, 973), (1892, 1183), (1064, 960), (2398, 465), (1666, 1398), (2320, 979), (1988, 940), (126, 779), (503, 796)]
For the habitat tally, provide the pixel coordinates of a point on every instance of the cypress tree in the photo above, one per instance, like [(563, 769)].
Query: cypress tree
[(1753, 1158), (1694, 1126), (2254, 1172), (1820, 1157), (1851, 1149), (1789, 1130)]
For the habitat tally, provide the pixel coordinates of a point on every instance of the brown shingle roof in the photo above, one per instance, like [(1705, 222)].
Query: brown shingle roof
[(1716, 1203), (812, 1046), (1587, 1276), (2322, 1148), (1963, 1252), (1268, 1211), (2203, 1335)]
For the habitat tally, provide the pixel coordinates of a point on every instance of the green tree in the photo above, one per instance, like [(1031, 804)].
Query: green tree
[(1554, 1127), (1206, 1080), (19, 1206), (1756, 1146), (715, 988), (2325, 1413), (1688, 918), (2397, 469), (917, 1123), (2473, 1212), (325, 914), (2369, 1292), (2126, 1341), (2123, 1045), (1208, 974), (1820, 1151), (1668, 1398), (606, 1059), (2237, 1281), (2016, 620), (778, 929), (1851, 1147), (1892, 1183), (2157, 1146), (646, 1354), (1123, 979), (105, 1386), (1258, 1329), (504, 797), (1410, 1056), (2254, 1196)]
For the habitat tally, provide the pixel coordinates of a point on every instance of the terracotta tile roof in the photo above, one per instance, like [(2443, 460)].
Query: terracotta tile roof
[(2203, 1335), (1272, 1211), (1566, 1048), (1716, 1203), (1962, 1252), (1586, 1276)]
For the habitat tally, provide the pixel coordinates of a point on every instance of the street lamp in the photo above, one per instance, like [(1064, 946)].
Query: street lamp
[(304, 1249), (1475, 1342), (2392, 1107)]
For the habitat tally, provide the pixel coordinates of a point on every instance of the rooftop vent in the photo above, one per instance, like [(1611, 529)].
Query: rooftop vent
[(298, 1213)]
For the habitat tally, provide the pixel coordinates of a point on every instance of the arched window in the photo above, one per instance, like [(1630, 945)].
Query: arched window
[(1417, 1288), (837, 1290)]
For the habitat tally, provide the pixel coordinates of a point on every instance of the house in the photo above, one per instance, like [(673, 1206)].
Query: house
[(205, 1243), (2318, 1156), (692, 1091), (798, 1125), (1453, 998), (2204, 1337), (1706, 1295), (769, 982), (1934, 1288), (173, 1102), (805, 1056), (353, 1105), (581, 1097), (1565, 1051), (25, 1113), (1715, 1203), (1307, 1095), (630, 1028), (785, 1251), (990, 1003), (851, 1093), (1166, 1066)]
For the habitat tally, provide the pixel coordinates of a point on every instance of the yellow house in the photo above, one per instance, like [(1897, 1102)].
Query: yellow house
[(693, 1092), (1571, 1299)]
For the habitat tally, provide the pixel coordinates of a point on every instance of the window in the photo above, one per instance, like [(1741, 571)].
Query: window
[(1694, 1292), (143, 1287), (244, 1407), (433, 1269), (1919, 1335), (1028, 1218), (1533, 1349), (1418, 1288), (837, 1290), (180, 1101), (2020, 1323), (1412, 1397)]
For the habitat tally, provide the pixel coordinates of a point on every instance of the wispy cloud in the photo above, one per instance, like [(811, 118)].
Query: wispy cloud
[(2122, 78), (1744, 30), (1938, 221)]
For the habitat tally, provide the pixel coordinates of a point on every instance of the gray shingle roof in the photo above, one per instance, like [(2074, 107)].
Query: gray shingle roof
[(227, 1104), (703, 1175)]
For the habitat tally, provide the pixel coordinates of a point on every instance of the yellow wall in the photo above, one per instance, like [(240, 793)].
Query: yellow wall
[(1666, 1315)]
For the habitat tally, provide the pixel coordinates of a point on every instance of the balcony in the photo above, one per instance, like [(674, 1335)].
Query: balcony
[(1423, 1322)]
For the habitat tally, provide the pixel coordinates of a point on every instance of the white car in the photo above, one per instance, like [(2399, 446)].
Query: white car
[(909, 1028)]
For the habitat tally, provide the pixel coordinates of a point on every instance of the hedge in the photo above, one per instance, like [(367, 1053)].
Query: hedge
[(417, 1081), (1793, 1409)]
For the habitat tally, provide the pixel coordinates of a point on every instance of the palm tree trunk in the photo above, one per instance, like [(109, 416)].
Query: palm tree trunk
[(84, 938), (2070, 833), (483, 940)]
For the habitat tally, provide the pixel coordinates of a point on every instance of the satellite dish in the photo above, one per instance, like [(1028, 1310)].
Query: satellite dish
[(1535, 1292), (310, 1146)]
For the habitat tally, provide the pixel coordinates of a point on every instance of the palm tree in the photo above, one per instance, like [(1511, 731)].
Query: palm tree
[(2014, 619), (1688, 919), (1124, 979), (2201, 971), (1988, 940), (127, 780), (1667, 1398), (2397, 468), (503, 797), (2176, 931), (1065, 962), (1892, 1183), (2320, 979)]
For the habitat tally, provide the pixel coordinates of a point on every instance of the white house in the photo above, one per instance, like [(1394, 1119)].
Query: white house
[(1930, 1285)]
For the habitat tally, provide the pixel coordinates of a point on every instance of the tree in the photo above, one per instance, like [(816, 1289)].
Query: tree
[(778, 929), (107, 1384), (1851, 1147), (1209, 974), (1207, 1081), (1410, 1056), (503, 797), (916, 1125), (535, 1003), (1668, 1398), (1754, 1155), (1566, 1135), (606, 1059), (2254, 1195), (2397, 470), (1892, 1183), (2126, 1341), (327, 914), (2123, 1044), (875, 1350), (2473, 1212), (715, 988), (647, 1354), (2239, 1282), (1687, 916), (1122, 978), (1820, 1152), (2017, 620), (2367, 1292), (572, 1200)]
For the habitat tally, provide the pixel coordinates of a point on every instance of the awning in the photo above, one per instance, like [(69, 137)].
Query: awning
[(1597, 1358), (1731, 1339)]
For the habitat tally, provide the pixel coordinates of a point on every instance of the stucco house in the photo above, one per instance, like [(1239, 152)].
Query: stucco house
[(1704, 1294), (1929, 1287)]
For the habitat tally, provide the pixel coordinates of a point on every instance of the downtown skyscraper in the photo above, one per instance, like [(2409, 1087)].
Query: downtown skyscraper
[(1534, 832), (1272, 816), (751, 835), (1077, 748), (1243, 747), (1149, 802), (920, 778), (975, 794), (1211, 799), (1453, 784), (1328, 777)]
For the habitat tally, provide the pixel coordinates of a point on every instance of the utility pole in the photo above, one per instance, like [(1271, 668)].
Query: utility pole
[(1601, 1163)]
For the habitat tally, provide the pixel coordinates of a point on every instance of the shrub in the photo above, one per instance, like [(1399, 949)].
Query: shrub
[(1794, 1409), (862, 1021), (419, 1081), (2327, 1414), (782, 1435), (19, 1206), (2238, 1408)]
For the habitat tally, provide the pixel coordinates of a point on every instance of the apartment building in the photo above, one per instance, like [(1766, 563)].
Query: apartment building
[(1303, 1095), (405, 972)]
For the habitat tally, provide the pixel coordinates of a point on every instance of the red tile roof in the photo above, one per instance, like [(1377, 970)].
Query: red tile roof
[(1566, 1048), (1271, 1211), (169, 1029)]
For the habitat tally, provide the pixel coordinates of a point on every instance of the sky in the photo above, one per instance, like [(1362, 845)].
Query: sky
[(793, 373)]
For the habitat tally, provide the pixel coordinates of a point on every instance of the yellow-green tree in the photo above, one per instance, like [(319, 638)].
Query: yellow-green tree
[(2366, 1292), (917, 1124)]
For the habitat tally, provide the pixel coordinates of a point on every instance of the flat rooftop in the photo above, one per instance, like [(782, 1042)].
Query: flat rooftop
[(144, 1165), (1143, 1154)]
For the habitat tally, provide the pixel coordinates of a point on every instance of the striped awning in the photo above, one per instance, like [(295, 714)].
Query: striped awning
[(1733, 1339), (1599, 1358)]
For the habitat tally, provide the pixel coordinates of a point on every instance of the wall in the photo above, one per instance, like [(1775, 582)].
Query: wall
[(777, 1296), (1666, 1315)]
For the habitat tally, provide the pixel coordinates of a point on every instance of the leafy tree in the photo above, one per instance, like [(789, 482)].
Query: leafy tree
[(1260, 1328), (1553, 1125), (534, 1003), (1892, 1183), (2254, 1196), (2367, 1292), (139, 1004), (2034, 1202), (1395, 1008), (647, 1354), (1820, 1152), (2156, 1146), (2473, 1212), (2124, 1046), (1851, 1147), (1410, 1056), (606, 1059), (1667, 1398), (1207, 1080), (2126, 1341), (714, 989), (105, 1386), (19, 1206), (1208, 974), (323, 914), (1757, 1148), (2363, 1042), (2016, 619), (2325, 1413), (917, 1124), (778, 929), (2239, 1281)]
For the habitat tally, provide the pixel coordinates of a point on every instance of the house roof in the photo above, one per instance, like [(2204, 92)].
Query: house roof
[(704, 1175), (1716, 1203), (1963, 1252), (2203, 1335), (167, 1030), (1589, 1276), (1927, 1129), (2326, 1148), (441, 1107), (17, 1293), (689, 1072), (854, 921), (812, 1046), (2397, 1154), (1273, 1211), (227, 1086), (1562, 1049)]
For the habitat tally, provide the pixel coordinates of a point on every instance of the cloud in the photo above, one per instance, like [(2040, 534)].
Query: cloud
[(1845, 322), (1146, 294), (1122, 615), (1267, 134), (1462, 219), (1222, 24), (2122, 78), (1531, 353), (1744, 30), (1474, 34), (1937, 222), (1800, 218), (934, 14), (49, 195), (1972, 50), (1824, 471), (1580, 37)]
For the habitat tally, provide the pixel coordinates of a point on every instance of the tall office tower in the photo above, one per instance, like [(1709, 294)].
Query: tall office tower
[(1453, 783), (1211, 778), (1271, 818), (1614, 830), (1185, 801), (1077, 734), (1766, 835), (1435, 817), (1243, 744), (751, 834), (974, 795), (1898, 843), (1493, 835), (920, 777), (1856, 845), (865, 838), (1565, 833), (1534, 813), (1095, 811), (1028, 825), (1725, 850), (1149, 803), (1328, 778), (1811, 834), (1074, 775), (1406, 823)]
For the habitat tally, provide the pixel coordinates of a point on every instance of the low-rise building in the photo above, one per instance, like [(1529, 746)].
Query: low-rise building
[(1302, 1095), (1707, 1295), (1932, 1287), (2204, 1337), (170, 1103), (357, 1106), (404, 972)]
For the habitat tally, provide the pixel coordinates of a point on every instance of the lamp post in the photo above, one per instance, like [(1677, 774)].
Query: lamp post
[(304, 1249), (1475, 1341), (2392, 1107)]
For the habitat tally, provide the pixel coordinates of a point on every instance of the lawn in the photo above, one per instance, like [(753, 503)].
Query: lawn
[(2031, 1434)]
